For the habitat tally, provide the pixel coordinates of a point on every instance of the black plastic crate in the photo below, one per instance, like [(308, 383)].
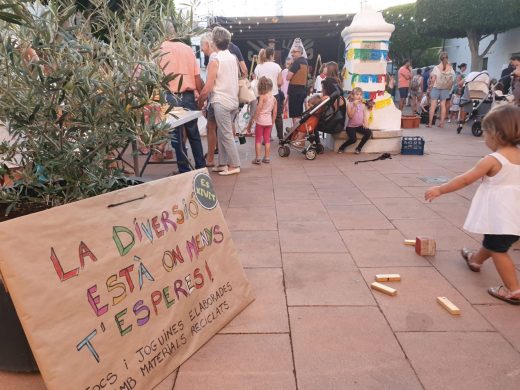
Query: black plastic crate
[(412, 145)]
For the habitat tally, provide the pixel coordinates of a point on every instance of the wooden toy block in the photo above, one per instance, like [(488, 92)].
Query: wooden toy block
[(448, 305), (425, 246), (388, 278), (409, 242), (384, 289)]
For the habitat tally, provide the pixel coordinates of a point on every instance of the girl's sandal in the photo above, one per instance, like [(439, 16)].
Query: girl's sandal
[(256, 161), (266, 160), (466, 255), (502, 293)]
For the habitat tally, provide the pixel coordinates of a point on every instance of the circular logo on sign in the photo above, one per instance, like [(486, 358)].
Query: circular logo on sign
[(204, 191)]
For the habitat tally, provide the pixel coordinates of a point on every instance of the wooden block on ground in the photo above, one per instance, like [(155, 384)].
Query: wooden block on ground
[(425, 246), (409, 242), (448, 305), (388, 278), (384, 289)]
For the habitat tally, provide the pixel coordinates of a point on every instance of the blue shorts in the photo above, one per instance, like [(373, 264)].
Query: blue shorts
[(403, 92), (440, 94)]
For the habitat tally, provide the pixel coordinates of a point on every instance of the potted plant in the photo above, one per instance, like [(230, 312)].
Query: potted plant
[(74, 84)]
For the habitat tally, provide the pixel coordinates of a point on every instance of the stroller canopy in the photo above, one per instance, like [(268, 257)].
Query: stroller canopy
[(477, 85)]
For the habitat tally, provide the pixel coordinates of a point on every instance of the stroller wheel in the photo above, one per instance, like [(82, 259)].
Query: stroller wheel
[(319, 148), (476, 129), (310, 154), (284, 151)]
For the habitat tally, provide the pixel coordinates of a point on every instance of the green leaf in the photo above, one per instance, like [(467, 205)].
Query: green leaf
[(11, 18)]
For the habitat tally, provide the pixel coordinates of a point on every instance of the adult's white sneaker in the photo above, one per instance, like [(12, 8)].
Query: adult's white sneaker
[(219, 168), (228, 172)]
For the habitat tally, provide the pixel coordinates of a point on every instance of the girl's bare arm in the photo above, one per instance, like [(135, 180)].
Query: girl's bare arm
[(482, 168)]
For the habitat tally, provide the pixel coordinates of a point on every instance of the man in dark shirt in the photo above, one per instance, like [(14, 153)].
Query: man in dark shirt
[(297, 90), (505, 76), (235, 50)]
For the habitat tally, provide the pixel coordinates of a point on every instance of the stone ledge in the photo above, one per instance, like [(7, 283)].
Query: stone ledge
[(387, 141), (376, 134)]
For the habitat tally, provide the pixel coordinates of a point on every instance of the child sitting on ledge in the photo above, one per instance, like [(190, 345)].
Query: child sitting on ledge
[(358, 117)]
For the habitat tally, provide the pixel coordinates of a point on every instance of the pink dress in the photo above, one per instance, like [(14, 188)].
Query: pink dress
[(265, 117)]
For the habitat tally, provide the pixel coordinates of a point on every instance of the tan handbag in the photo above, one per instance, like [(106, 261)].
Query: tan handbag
[(245, 91), (246, 94)]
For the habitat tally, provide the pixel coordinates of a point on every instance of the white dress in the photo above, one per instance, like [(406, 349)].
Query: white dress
[(495, 208)]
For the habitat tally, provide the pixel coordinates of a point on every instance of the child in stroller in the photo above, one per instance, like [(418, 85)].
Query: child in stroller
[(326, 114), (310, 125)]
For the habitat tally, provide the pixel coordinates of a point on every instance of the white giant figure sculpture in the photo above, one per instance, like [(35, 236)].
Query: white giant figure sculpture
[(366, 56), (297, 43)]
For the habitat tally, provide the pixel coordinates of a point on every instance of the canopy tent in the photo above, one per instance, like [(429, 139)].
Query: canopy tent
[(320, 35), (285, 27)]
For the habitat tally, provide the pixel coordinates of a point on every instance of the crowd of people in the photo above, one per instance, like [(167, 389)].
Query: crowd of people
[(218, 96), (494, 211), (278, 92), (442, 86), (285, 92)]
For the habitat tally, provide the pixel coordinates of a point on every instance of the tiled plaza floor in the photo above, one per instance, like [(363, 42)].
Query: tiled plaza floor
[(311, 236)]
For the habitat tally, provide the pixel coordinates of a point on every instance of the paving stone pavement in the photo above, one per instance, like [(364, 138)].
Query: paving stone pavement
[(311, 236)]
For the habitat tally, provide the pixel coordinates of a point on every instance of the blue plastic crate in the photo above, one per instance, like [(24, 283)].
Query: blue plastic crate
[(412, 145)]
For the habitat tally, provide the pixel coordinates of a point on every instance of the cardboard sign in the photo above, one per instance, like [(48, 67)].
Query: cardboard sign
[(118, 290)]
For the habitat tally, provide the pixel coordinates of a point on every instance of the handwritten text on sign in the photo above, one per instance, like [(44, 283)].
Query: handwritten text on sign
[(134, 290)]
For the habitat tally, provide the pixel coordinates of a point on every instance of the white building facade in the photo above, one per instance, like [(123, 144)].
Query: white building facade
[(507, 44)]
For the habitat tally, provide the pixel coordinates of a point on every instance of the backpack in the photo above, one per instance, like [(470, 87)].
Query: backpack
[(444, 80), (333, 120), (415, 84)]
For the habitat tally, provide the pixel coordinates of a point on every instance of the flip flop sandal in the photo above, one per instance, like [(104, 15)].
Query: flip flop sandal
[(466, 255), (509, 297), (256, 161), (266, 160)]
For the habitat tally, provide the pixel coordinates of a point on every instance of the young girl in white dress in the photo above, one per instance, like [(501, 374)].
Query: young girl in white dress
[(495, 209)]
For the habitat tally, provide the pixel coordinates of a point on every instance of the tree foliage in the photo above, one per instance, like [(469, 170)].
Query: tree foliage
[(454, 18), (407, 41), (70, 99), (473, 19)]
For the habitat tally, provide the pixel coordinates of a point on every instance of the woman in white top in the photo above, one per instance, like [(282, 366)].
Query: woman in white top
[(271, 70), (222, 83), (495, 208), (440, 86)]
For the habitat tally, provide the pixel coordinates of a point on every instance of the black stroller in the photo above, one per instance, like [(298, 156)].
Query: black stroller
[(478, 98), (304, 135)]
